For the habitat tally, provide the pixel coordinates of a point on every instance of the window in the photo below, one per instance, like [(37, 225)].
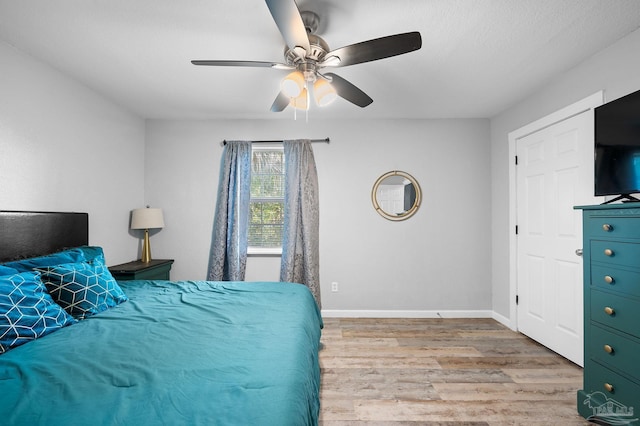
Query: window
[(266, 205)]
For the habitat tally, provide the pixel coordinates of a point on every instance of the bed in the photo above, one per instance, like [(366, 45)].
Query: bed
[(165, 352)]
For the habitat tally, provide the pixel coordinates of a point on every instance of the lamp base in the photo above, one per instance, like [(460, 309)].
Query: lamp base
[(146, 248)]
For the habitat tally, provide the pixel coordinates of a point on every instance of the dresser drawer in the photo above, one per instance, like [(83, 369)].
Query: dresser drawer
[(624, 392), (614, 350), (611, 227), (621, 313), (616, 279), (615, 253)]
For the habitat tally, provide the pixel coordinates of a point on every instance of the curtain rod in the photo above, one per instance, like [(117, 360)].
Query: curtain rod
[(325, 140)]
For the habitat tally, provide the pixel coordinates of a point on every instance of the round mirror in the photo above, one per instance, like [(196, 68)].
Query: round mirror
[(396, 195)]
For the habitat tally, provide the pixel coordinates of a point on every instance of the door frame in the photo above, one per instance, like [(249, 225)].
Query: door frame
[(586, 104)]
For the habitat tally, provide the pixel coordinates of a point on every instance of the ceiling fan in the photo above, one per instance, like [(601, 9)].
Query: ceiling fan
[(307, 54)]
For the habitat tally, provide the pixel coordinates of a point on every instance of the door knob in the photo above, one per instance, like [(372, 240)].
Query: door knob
[(578, 252)]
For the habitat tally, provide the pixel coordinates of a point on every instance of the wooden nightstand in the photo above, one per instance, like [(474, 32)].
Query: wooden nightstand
[(156, 269)]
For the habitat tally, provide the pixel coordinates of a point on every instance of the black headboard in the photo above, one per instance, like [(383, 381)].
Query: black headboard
[(26, 234)]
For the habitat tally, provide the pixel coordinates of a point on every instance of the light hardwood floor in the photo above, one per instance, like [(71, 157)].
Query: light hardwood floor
[(442, 372)]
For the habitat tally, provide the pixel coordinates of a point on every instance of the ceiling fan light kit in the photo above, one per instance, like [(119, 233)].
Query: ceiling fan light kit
[(293, 84), (324, 93), (307, 54), (301, 102)]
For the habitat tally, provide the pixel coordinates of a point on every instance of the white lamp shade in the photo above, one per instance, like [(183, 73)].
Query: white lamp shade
[(301, 102), (293, 84), (147, 218), (324, 92)]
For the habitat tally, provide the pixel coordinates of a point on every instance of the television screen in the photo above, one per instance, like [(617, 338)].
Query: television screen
[(617, 146)]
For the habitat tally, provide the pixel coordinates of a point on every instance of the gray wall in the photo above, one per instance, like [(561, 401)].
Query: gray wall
[(452, 256), (615, 70), (65, 148), (439, 260)]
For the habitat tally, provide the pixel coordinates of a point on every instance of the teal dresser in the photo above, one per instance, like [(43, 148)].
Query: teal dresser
[(611, 251)]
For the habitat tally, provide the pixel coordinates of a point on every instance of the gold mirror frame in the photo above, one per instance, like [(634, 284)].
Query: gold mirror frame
[(406, 214)]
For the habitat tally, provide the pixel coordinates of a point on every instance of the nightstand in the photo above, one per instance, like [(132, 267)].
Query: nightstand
[(156, 269)]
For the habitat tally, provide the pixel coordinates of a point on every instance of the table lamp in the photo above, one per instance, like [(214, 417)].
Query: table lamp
[(146, 219)]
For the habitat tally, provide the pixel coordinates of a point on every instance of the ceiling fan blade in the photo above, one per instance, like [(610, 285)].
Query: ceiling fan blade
[(280, 103), (373, 50), (259, 64), (348, 91), (289, 22)]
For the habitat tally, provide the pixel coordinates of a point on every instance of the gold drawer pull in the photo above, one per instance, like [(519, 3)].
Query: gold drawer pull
[(609, 311), (608, 387), (607, 227), (608, 279), (608, 349), (608, 252)]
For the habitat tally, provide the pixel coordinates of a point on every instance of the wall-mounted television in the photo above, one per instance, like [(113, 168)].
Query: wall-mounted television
[(617, 148)]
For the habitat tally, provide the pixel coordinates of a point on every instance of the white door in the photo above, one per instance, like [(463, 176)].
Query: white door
[(553, 174), (391, 198)]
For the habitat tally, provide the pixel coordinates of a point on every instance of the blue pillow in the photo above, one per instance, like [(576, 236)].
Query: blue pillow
[(66, 256), (83, 288), (27, 311), (5, 270), (90, 252)]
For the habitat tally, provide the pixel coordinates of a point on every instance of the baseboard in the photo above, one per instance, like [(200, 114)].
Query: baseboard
[(334, 313), (504, 320)]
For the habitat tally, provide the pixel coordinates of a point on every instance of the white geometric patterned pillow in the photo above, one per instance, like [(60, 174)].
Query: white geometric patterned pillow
[(84, 288), (27, 311)]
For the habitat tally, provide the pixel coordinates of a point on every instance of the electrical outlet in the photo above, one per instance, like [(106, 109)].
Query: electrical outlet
[(334, 286)]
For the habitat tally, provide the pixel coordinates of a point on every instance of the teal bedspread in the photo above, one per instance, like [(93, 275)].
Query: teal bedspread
[(177, 353)]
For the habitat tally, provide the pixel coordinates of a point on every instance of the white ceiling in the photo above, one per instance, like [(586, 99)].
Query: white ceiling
[(478, 57)]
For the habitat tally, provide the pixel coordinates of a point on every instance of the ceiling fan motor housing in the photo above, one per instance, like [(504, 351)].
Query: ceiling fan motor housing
[(318, 50), (307, 63)]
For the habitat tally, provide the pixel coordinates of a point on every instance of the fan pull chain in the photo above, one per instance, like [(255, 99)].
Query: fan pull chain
[(306, 112)]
